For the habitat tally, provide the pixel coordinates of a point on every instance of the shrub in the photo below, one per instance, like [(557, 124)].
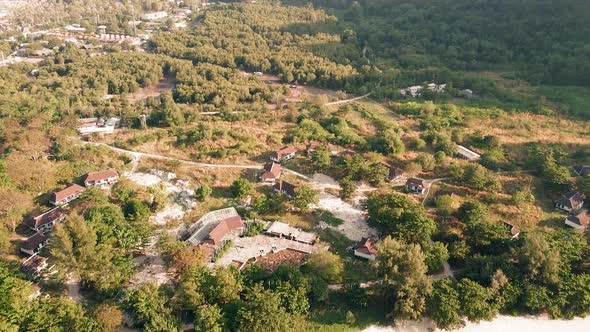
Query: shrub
[(254, 228)]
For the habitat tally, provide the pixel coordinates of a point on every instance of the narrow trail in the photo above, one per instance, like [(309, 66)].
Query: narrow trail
[(347, 100), (73, 288), (138, 155)]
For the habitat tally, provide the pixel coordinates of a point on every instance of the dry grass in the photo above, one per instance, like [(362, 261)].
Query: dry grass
[(525, 127)]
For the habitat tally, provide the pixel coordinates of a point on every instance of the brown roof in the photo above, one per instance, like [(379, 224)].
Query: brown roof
[(207, 250), (366, 246), (581, 218), (45, 218), (395, 172), (33, 264), (415, 182), (571, 199), (272, 171), (514, 231), (60, 195), (102, 175), (285, 187), (34, 241), (284, 151), (223, 228)]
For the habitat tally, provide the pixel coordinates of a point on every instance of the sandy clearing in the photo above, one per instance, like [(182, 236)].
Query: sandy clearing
[(151, 266), (144, 179), (169, 213), (499, 324), (322, 181), (355, 225)]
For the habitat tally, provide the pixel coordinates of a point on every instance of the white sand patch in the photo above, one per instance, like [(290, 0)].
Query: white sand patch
[(322, 181), (144, 179), (499, 324), (169, 213), (152, 270), (179, 192), (355, 225), (151, 267)]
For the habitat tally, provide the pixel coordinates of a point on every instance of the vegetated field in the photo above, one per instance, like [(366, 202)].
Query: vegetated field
[(211, 112)]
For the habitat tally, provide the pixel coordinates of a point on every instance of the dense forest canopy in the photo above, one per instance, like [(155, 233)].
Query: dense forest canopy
[(545, 41)]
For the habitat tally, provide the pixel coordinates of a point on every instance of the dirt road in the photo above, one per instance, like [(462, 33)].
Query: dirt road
[(136, 155)]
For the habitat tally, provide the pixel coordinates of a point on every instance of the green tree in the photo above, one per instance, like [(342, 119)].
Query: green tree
[(224, 286), (440, 157), (347, 188), (472, 211), (191, 289), (184, 258), (400, 216), (541, 259), (108, 316), (305, 196), (209, 318), (445, 205), (241, 188), (477, 302), (158, 197), (426, 161), (487, 236), (58, 314), (391, 143), (262, 312), (136, 211), (5, 246), (326, 265), (553, 173), (14, 293), (436, 255), (404, 275), (148, 306), (203, 192), (478, 177), (293, 299), (75, 250), (321, 158), (110, 225), (444, 306)]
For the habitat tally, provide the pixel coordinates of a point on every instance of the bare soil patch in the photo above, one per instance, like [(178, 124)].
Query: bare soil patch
[(166, 84)]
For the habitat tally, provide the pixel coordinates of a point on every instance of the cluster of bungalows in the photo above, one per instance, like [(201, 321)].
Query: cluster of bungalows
[(572, 202), (43, 224), (273, 170), (416, 90), (97, 126)]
